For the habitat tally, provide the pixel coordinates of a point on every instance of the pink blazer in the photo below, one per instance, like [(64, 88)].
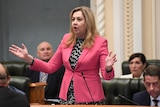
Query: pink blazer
[(86, 79)]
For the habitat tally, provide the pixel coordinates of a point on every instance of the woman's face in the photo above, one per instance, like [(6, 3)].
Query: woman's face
[(136, 67), (79, 24)]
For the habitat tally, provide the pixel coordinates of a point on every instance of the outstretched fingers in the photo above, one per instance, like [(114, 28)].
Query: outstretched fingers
[(24, 46), (114, 58), (110, 59), (110, 53), (13, 48), (18, 51)]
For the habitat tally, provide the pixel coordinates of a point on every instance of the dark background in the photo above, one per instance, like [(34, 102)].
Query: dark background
[(33, 21)]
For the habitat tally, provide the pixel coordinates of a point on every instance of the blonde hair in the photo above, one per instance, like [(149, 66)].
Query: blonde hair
[(91, 27)]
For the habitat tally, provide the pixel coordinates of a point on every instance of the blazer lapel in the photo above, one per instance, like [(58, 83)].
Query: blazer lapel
[(67, 55), (82, 56)]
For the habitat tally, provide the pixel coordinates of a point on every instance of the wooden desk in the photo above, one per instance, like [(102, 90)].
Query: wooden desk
[(37, 92), (34, 105)]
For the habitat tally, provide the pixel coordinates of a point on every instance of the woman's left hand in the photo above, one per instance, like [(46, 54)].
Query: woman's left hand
[(110, 60)]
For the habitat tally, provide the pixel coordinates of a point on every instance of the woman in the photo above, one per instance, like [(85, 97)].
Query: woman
[(137, 64), (83, 52)]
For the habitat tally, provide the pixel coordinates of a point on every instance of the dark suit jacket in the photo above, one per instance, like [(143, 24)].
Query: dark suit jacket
[(10, 98), (53, 82), (142, 98)]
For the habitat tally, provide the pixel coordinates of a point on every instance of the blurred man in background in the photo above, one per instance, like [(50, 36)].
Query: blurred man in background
[(10, 97), (45, 52), (151, 96)]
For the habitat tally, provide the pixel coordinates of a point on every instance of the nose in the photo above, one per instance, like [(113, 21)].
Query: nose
[(151, 87), (133, 65), (74, 22), (45, 51)]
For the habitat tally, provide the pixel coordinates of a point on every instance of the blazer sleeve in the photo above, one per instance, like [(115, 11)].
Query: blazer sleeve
[(103, 55)]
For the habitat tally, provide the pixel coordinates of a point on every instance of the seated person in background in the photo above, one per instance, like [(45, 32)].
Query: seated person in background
[(9, 97), (45, 52), (137, 64), (16, 90), (150, 97)]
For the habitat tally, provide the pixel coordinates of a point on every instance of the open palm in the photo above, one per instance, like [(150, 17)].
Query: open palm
[(19, 52), (110, 60)]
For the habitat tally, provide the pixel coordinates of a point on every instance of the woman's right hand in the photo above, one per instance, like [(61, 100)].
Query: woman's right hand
[(21, 52)]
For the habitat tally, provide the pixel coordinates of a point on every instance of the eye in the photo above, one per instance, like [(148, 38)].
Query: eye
[(137, 62), (155, 84), (42, 49), (48, 48), (73, 19), (147, 84), (130, 62), (79, 19)]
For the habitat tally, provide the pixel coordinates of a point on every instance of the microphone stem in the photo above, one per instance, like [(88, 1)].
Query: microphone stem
[(87, 86)]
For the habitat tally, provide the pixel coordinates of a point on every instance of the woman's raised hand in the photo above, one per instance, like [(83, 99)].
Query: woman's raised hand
[(21, 52), (110, 60)]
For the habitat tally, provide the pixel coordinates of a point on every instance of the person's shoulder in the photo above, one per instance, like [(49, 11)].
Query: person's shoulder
[(141, 98), (14, 89), (99, 40), (20, 100), (66, 35), (16, 93), (98, 37), (20, 97), (141, 93)]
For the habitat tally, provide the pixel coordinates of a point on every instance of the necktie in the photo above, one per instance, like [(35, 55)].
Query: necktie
[(156, 102), (43, 77)]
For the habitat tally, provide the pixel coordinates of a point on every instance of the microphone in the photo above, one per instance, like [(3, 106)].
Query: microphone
[(128, 100), (52, 101), (87, 87)]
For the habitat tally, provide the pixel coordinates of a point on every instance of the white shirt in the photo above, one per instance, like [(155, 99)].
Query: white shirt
[(152, 102), (130, 76), (44, 78)]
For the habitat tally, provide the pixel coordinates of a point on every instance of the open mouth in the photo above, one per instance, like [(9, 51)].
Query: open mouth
[(75, 28)]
